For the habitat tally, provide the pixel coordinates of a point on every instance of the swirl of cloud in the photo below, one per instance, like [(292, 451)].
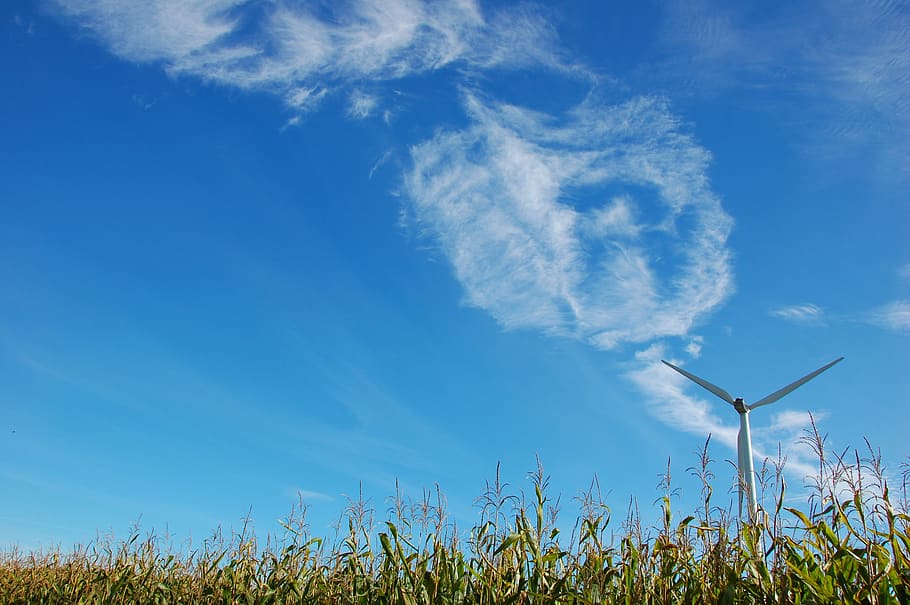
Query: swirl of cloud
[(598, 225)]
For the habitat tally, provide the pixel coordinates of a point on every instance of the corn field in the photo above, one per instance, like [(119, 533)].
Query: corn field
[(849, 544)]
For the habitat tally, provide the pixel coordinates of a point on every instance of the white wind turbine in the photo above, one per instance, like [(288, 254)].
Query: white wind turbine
[(744, 441)]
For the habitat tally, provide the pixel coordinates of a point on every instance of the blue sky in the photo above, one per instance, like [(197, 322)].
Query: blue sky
[(252, 249)]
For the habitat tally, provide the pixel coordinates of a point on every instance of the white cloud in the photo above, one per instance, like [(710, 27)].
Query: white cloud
[(361, 105), (305, 99), (498, 197), (303, 52), (892, 316), (805, 313), (791, 420), (178, 32), (310, 496), (616, 218), (694, 347), (379, 163)]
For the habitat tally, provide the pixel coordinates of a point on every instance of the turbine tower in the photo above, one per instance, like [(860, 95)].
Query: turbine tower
[(744, 441)]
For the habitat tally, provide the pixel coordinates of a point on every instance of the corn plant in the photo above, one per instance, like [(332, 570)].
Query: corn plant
[(850, 543)]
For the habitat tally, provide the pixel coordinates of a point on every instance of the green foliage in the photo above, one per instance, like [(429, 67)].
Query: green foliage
[(850, 545)]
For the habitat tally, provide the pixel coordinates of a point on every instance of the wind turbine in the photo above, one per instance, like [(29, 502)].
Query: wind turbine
[(744, 441)]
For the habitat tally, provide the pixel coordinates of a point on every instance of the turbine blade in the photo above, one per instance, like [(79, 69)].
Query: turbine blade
[(793, 385), (703, 383)]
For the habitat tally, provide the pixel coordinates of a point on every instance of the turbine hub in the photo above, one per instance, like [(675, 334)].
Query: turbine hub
[(740, 405)]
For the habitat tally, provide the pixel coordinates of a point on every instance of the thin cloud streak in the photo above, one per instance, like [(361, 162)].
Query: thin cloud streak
[(647, 263), (894, 316), (303, 53), (311, 496), (805, 313)]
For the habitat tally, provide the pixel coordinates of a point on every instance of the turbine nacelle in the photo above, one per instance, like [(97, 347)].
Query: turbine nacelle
[(739, 405)]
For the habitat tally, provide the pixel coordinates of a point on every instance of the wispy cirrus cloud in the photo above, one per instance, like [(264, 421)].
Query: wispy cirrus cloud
[(177, 33), (303, 52), (638, 264), (846, 62), (310, 495), (598, 224), (894, 316), (790, 420), (361, 105), (694, 347), (805, 313)]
